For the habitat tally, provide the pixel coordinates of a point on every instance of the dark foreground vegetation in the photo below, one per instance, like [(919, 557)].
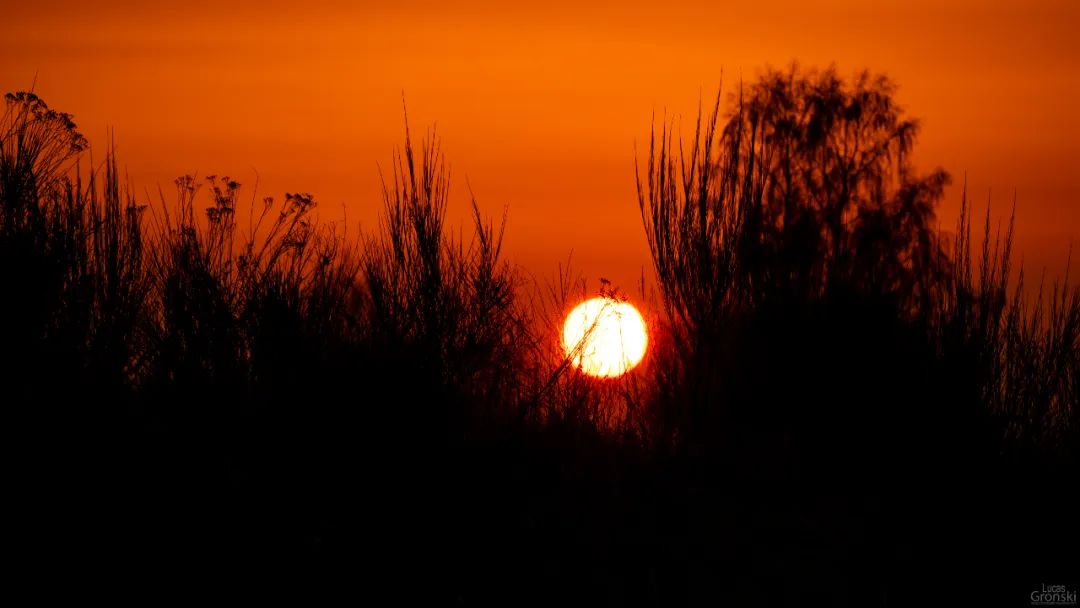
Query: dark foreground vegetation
[(842, 406)]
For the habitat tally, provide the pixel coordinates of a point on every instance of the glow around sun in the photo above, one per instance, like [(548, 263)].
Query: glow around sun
[(605, 337)]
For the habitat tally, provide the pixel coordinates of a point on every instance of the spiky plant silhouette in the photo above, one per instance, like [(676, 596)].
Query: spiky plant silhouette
[(446, 303)]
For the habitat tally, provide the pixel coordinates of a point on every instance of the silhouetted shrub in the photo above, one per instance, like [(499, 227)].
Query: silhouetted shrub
[(826, 342)]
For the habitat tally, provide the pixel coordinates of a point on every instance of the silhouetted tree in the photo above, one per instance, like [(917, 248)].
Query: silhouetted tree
[(807, 187)]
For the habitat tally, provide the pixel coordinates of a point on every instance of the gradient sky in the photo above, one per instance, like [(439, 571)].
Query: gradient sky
[(540, 107)]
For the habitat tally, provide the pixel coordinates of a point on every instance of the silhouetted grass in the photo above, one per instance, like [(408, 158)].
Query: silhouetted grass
[(838, 405)]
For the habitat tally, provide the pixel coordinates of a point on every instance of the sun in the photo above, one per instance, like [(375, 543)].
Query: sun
[(605, 337)]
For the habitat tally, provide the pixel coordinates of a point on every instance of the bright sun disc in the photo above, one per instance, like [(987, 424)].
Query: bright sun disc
[(605, 337)]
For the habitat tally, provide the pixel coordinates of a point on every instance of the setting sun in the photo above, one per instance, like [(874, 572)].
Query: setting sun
[(605, 337)]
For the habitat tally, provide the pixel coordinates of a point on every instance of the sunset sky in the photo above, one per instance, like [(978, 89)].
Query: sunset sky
[(540, 108)]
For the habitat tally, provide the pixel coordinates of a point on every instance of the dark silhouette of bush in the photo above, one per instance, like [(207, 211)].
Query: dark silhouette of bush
[(826, 344)]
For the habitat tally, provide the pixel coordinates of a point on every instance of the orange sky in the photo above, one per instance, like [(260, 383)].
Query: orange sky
[(540, 107)]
